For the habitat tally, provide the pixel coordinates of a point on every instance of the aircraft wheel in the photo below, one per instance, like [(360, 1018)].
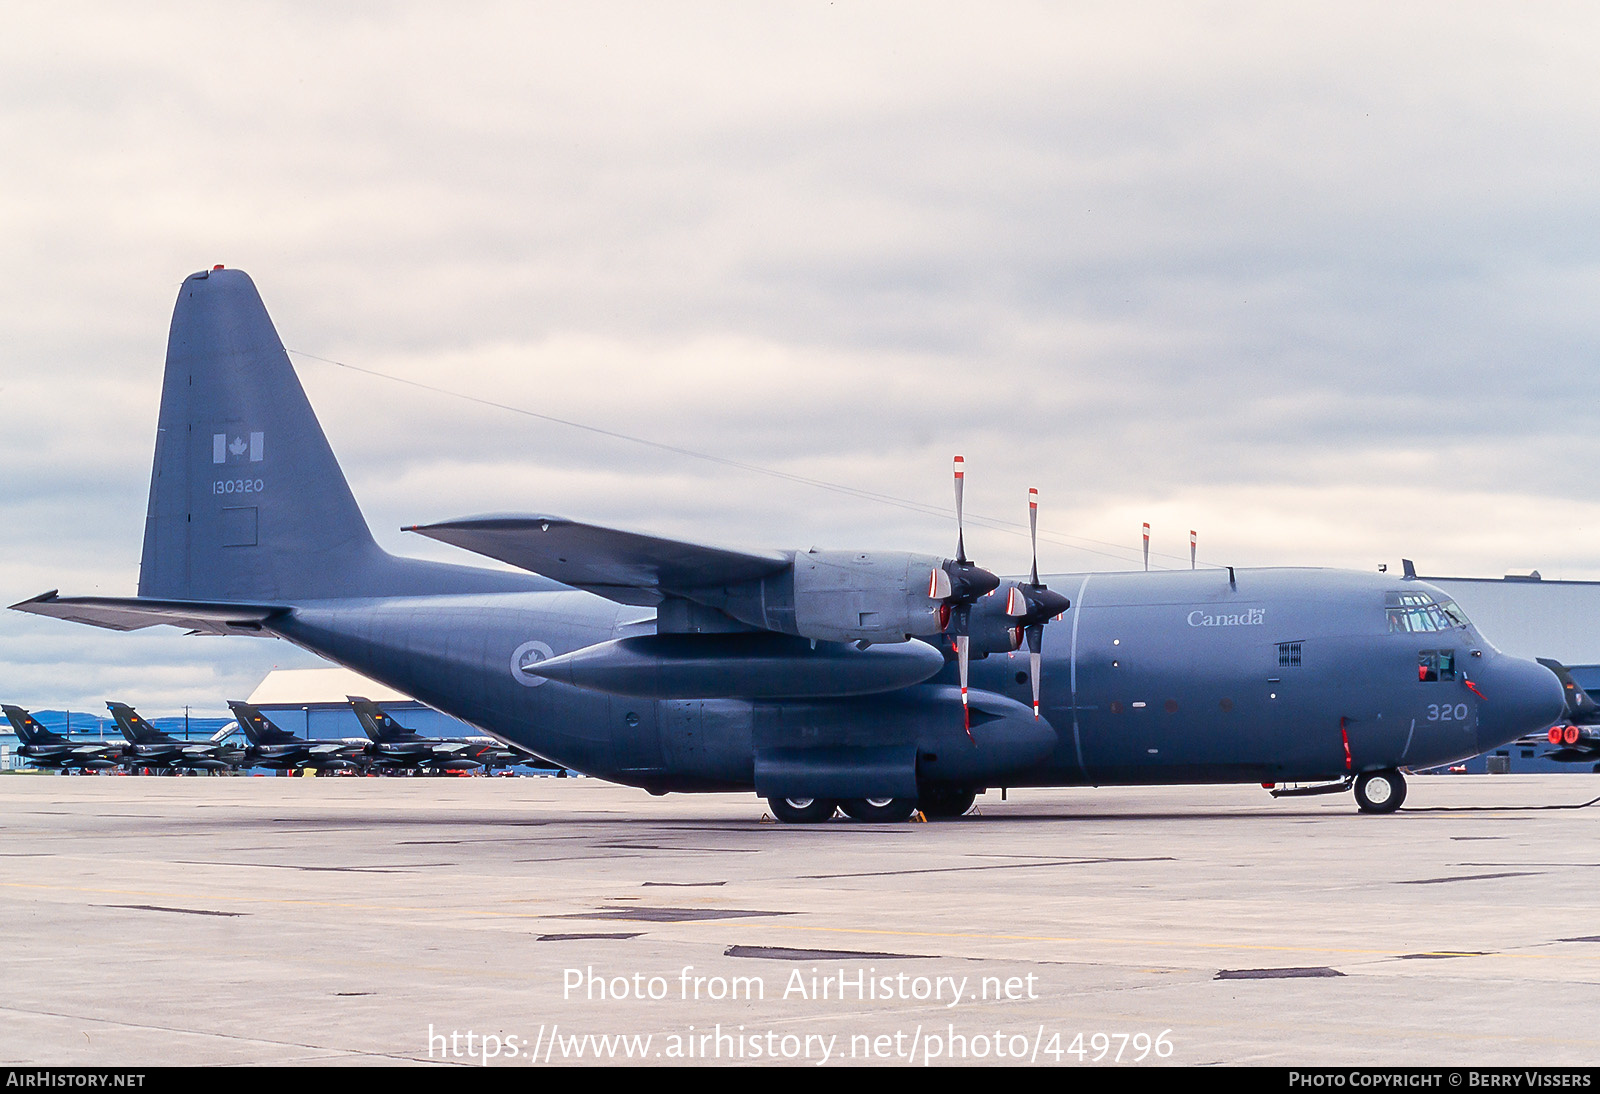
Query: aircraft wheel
[(802, 810), (1380, 791), (945, 804), (878, 810)]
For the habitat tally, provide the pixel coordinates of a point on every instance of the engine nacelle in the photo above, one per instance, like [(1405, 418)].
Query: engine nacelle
[(833, 596), (992, 629), (864, 596)]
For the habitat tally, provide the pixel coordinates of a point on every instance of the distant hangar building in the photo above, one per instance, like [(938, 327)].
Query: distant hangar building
[(1526, 616), (315, 703)]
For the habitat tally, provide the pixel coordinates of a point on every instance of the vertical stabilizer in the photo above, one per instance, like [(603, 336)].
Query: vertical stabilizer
[(377, 725), (136, 729), (246, 498), (260, 729), (28, 729)]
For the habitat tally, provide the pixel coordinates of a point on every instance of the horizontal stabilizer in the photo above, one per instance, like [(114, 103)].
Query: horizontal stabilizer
[(627, 567), (136, 613)]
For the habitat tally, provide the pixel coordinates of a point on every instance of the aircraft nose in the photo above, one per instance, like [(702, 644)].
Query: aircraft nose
[(1526, 698)]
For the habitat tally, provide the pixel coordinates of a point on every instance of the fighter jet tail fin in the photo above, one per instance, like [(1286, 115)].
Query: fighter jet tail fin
[(377, 725), (134, 728), (28, 729), (1581, 706), (260, 729)]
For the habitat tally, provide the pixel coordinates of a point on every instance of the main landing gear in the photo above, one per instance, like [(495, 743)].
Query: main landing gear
[(803, 810), (935, 805), (1380, 791), (878, 810)]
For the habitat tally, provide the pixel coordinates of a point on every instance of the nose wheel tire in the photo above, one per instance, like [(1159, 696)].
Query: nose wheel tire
[(802, 810), (1380, 791), (879, 810)]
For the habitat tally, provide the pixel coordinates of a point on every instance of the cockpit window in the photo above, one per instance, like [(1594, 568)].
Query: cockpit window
[(1436, 665), (1420, 613)]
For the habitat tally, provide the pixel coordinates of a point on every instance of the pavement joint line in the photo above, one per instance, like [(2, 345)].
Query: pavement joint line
[(125, 1024), (877, 931)]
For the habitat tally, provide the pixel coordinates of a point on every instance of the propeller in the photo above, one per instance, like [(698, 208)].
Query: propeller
[(1033, 604), (959, 582)]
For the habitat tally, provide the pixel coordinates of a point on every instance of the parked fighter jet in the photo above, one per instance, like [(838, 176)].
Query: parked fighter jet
[(1576, 736), (276, 748), (43, 748), (816, 678), (397, 748), (149, 747)]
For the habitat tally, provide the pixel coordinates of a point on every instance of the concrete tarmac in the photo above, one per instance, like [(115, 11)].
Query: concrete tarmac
[(345, 921)]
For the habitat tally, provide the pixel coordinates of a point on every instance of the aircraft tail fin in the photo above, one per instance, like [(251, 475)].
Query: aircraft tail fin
[(246, 498), (28, 729), (377, 725), (134, 728), (260, 729), (1581, 707)]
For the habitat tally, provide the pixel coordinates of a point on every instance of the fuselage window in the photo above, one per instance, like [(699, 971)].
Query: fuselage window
[(1436, 665)]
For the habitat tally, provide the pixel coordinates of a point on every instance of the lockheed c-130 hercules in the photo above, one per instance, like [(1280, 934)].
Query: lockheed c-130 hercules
[(876, 682)]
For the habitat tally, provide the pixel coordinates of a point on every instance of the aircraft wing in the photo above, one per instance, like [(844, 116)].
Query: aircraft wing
[(136, 613), (627, 567)]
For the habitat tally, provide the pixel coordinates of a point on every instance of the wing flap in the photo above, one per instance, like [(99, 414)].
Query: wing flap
[(136, 613), (627, 567)]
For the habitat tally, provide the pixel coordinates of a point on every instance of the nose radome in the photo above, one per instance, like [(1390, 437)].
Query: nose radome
[(1525, 698)]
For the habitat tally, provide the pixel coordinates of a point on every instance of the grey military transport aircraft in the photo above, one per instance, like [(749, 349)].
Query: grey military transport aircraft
[(876, 682)]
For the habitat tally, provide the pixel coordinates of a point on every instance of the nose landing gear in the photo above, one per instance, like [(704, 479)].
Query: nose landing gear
[(1380, 791)]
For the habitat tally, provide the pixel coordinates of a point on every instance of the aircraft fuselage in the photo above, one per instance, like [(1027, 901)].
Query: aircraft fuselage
[(1280, 676)]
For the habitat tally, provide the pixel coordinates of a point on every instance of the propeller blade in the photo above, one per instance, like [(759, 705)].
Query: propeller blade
[(1033, 529), (960, 474), (939, 585), (1035, 635), (1039, 603), (963, 650)]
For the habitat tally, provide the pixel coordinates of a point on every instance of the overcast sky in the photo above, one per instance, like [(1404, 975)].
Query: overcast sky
[(1318, 281)]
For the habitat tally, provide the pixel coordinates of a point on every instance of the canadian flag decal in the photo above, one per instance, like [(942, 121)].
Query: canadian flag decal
[(233, 447)]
